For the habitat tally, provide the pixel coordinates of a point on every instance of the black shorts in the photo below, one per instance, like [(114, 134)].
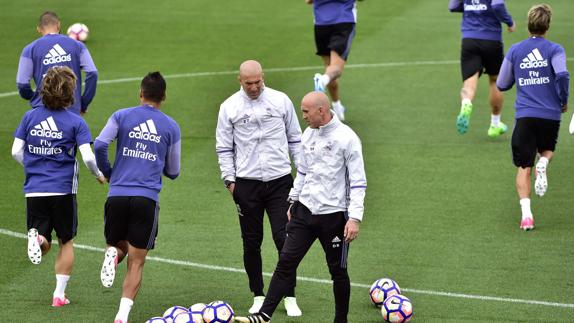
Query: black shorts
[(131, 218), (532, 135), (337, 37), (479, 55), (58, 213)]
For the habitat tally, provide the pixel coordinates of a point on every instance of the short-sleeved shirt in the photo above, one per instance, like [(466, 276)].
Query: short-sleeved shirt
[(50, 152)]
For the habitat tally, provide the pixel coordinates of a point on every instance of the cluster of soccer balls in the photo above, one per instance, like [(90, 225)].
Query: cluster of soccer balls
[(78, 31), (214, 312), (386, 294)]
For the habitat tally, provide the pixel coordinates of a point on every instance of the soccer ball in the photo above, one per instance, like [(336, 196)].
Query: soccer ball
[(218, 312), (382, 289), (78, 31), (184, 318), (196, 311), (156, 320), (170, 314), (397, 308)]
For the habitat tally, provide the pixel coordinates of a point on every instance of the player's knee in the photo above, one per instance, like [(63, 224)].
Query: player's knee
[(338, 274)]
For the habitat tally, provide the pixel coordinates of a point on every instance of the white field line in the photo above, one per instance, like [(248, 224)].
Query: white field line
[(317, 280), (268, 70), (274, 70)]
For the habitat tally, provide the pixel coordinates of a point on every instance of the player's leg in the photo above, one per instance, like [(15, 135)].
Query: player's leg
[(523, 156), (336, 252), (276, 206), (143, 216), (497, 127), (546, 141), (116, 214), (65, 220), (334, 71), (300, 237), (250, 208), (334, 45), (63, 268), (39, 225), (471, 67), (132, 282), (493, 55)]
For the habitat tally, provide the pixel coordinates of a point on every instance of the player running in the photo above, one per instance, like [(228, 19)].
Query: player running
[(481, 51), (538, 68), (45, 144), (148, 145), (334, 32)]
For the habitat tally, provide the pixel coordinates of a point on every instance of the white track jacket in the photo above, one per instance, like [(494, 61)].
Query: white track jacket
[(331, 173), (255, 137)]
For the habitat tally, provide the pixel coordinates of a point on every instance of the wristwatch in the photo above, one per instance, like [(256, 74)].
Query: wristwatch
[(227, 183)]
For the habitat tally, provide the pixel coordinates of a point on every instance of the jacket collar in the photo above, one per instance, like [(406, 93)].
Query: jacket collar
[(247, 98), (329, 127)]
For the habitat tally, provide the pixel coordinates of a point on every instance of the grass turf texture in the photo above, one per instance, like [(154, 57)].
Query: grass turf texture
[(441, 210)]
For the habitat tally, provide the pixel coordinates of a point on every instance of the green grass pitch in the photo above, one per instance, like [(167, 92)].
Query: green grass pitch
[(441, 212)]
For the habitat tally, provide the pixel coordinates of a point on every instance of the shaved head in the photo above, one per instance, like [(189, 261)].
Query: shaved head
[(316, 99), (250, 68), (316, 109), (251, 78)]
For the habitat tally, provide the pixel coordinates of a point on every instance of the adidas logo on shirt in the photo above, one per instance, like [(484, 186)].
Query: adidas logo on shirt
[(57, 55), (533, 60), (475, 6), (145, 131), (46, 128)]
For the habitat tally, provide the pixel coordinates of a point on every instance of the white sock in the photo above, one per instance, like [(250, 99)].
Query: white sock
[(125, 308), (337, 103), (543, 160), (494, 120), (466, 101), (325, 79), (525, 206), (61, 283)]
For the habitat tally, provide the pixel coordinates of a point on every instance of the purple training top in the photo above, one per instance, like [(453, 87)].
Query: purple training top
[(50, 153), (330, 12), (481, 18), (56, 50), (538, 67), (148, 145)]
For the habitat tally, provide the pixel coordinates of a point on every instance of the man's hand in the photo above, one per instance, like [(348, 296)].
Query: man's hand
[(308, 1), (231, 188), (351, 230), (289, 212), (564, 108), (512, 28), (102, 179)]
